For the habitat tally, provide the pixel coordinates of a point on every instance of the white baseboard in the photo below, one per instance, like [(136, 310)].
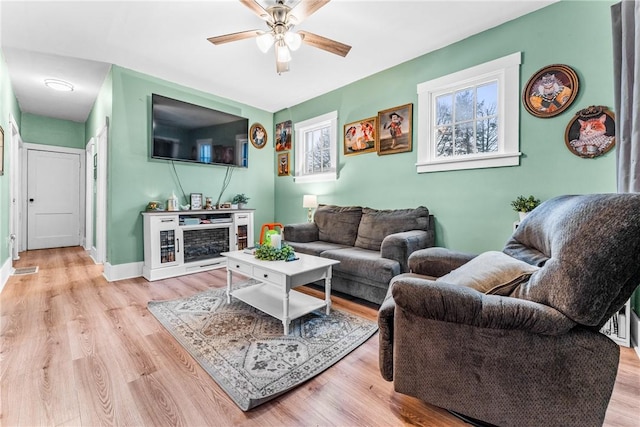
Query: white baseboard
[(122, 271), (5, 272), (635, 332)]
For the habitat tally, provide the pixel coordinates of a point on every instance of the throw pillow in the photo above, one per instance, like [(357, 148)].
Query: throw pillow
[(375, 224), (493, 273), (338, 224)]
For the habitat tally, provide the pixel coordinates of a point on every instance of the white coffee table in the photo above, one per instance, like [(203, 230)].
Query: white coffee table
[(274, 294)]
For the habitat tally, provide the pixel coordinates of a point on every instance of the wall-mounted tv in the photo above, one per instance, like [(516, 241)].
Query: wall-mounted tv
[(192, 133)]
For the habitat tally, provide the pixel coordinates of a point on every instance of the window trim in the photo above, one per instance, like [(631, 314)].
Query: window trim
[(506, 71), (300, 128)]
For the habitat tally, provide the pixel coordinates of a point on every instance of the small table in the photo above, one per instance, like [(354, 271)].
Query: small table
[(274, 294)]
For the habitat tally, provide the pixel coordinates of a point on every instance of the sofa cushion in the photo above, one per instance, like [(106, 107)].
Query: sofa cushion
[(491, 272), (364, 263), (338, 224), (315, 248), (376, 224)]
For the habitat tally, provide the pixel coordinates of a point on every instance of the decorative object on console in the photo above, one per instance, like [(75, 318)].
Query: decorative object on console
[(196, 201), (395, 130), (153, 206), (361, 136), (172, 203), (267, 364), (591, 132), (240, 199), (310, 201), (258, 135), (523, 205), (550, 90), (208, 204)]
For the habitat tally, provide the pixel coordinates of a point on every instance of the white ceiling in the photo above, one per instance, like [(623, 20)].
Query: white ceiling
[(78, 40)]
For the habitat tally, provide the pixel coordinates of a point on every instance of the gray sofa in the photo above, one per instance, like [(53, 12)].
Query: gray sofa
[(372, 245), (512, 337)]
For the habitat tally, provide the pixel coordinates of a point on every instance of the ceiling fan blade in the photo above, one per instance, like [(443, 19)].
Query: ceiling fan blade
[(306, 8), (235, 36), (325, 43), (255, 8)]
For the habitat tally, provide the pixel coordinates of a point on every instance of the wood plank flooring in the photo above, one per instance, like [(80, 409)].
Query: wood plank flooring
[(77, 350)]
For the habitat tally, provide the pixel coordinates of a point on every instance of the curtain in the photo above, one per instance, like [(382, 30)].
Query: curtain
[(625, 17)]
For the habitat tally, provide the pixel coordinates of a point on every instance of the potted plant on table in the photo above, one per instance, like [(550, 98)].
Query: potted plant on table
[(523, 205), (240, 200)]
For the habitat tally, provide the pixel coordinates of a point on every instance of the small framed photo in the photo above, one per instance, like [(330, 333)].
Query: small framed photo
[(283, 136), (550, 90), (283, 164), (258, 135), (196, 201), (361, 137), (591, 132), (395, 130)]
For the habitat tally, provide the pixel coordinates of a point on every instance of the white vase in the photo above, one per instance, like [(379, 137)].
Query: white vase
[(522, 215), (241, 205)]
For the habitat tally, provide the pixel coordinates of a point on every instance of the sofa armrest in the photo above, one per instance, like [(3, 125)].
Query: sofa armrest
[(302, 233), (436, 261), (459, 304), (385, 337), (399, 246)]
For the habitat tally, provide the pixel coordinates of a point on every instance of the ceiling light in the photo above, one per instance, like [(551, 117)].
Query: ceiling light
[(59, 85), (293, 40), (282, 52), (265, 41)]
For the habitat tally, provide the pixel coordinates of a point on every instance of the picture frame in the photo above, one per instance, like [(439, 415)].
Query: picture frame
[(196, 201), (284, 137), (360, 137), (550, 90), (395, 130), (283, 164), (258, 135), (1, 151), (591, 132)]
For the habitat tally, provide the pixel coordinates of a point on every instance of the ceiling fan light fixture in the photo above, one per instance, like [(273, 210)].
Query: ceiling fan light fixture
[(282, 52), (59, 85), (265, 41), (293, 40)]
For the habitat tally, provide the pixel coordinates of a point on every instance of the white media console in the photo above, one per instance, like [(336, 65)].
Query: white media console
[(185, 242)]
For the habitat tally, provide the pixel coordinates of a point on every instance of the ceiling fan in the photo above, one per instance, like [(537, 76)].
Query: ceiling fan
[(281, 19)]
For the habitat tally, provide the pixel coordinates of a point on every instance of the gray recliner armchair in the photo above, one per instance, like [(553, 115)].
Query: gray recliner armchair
[(512, 338)]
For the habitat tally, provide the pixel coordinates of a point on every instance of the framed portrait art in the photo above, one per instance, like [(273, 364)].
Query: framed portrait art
[(258, 135), (395, 130), (283, 136), (591, 132), (283, 164), (360, 137), (550, 90)]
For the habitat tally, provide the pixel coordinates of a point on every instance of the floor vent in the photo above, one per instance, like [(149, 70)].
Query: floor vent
[(25, 270)]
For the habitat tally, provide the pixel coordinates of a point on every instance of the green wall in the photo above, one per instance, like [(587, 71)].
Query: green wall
[(472, 208), (8, 106), (46, 130), (135, 179)]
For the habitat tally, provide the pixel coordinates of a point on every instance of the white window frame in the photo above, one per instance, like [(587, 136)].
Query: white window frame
[(301, 128), (506, 71)]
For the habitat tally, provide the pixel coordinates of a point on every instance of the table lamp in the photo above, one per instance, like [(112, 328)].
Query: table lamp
[(310, 201)]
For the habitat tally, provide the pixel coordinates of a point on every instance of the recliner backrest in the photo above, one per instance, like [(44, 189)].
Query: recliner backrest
[(589, 250)]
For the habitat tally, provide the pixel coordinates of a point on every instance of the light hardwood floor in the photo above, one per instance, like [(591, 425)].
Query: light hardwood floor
[(79, 351)]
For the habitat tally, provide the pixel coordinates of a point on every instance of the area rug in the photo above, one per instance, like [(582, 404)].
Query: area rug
[(245, 351)]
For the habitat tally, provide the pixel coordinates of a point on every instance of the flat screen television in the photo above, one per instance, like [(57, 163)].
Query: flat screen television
[(192, 133)]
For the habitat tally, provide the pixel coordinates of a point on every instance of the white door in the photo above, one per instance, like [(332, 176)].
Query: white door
[(53, 199)]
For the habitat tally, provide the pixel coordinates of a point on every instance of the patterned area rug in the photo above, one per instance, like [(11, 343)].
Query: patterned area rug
[(245, 351)]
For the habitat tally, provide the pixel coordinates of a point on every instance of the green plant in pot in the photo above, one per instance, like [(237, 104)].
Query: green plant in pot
[(240, 200), (523, 205)]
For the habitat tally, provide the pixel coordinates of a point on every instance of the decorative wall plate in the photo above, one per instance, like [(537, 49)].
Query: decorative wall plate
[(591, 132), (550, 90)]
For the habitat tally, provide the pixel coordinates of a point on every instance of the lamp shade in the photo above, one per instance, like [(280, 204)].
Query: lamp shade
[(310, 201)]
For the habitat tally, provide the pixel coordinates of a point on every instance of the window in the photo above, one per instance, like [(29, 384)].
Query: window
[(470, 119), (316, 149)]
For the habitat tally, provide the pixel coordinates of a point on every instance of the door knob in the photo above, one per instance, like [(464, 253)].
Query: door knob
[(31, 200)]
